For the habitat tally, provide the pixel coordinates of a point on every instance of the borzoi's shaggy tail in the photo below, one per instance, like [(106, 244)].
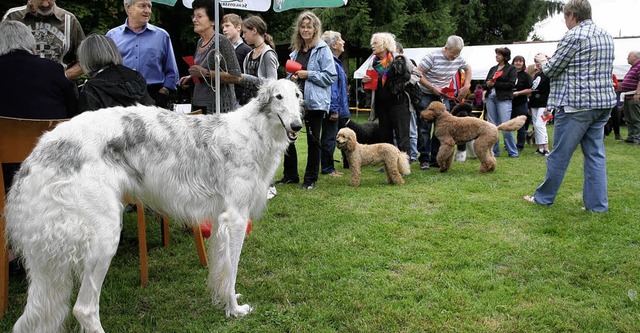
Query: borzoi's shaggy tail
[(64, 210)]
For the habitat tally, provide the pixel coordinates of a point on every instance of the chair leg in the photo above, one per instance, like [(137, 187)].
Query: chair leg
[(202, 253), (142, 245), (165, 230)]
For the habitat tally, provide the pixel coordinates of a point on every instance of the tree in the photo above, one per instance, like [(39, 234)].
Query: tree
[(416, 23)]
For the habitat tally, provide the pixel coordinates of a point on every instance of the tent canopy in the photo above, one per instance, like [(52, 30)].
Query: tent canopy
[(482, 57)]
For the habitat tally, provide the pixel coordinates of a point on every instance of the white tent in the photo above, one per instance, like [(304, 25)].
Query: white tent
[(482, 57)]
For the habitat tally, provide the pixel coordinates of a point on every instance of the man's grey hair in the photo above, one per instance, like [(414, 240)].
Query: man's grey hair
[(16, 36), (331, 37), (454, 43), (129, 2), (97, 52), (581, 9)]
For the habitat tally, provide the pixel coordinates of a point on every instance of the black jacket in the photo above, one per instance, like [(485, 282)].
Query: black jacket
[(116, 85), (35, 88), (504, 84), (540, 91)]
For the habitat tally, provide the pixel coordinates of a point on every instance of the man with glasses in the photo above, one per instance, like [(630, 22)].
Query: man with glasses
[(437, 69), (58, 33), (148, 50)]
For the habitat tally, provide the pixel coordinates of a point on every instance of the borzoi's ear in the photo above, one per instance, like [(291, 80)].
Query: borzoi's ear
[(265, 92)]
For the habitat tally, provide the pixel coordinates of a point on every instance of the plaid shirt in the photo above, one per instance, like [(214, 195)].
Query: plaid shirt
[(581, 68)]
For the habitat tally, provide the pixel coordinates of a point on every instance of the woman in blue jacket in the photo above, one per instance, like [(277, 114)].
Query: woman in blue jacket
[(314, 79)]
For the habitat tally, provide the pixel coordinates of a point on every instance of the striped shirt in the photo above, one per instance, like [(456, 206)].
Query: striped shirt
[(581, 68), (630, 82), (439, 69)]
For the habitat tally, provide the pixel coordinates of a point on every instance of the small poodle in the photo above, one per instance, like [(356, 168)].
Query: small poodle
[(451, 130), (396, 163)]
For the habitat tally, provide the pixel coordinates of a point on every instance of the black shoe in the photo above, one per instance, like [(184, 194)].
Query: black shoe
[(434, 165), (306, 186), (284, 180), (424, 165)]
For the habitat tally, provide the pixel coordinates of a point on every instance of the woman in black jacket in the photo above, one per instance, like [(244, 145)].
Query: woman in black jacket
[(499, 93), (110, 83), (521, 92)]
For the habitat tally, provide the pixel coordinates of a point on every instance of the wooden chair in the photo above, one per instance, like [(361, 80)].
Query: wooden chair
[(142, 236), (142, 242), (18, 137)]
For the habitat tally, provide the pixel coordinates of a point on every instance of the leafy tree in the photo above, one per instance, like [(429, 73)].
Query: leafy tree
[(416, 23)]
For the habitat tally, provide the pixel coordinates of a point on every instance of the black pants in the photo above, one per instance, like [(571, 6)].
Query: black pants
[(394, 120), (342, 122), (290, 164), (160, 99), (313, 124), (520, 110)]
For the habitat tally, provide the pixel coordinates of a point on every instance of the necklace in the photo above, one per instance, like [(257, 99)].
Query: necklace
[(207, 43)]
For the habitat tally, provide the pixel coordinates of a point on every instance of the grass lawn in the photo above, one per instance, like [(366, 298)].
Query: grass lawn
[(452, 252)]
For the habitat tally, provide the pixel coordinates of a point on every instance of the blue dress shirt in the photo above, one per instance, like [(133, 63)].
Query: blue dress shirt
[(149, 52)]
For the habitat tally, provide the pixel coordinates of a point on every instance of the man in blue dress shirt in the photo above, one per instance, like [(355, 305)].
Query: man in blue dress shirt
[(147, 49)]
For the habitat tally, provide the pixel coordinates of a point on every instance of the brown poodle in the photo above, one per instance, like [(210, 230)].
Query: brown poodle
[(396, 163), (451, 130)]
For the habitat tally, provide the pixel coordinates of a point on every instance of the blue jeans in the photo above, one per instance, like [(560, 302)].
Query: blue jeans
[(328, 144), (587, 129), (427, 146), (498, 112), (413, 137)]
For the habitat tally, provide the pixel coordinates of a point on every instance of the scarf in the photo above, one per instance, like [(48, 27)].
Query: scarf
[(382, 66)]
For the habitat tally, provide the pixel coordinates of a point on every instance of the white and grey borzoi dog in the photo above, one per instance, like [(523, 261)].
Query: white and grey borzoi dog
[(64, 211)]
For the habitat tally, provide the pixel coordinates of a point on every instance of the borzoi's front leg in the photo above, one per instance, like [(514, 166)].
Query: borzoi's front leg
[(224, 255)]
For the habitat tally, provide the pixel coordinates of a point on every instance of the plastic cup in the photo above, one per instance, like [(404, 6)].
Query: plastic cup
[(292, 66)]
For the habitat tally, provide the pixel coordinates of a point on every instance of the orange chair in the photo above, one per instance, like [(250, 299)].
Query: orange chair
[(142, 242), (17, 138)]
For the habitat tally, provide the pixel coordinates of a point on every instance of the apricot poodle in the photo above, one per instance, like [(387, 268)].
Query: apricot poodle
[(396, 163), (451, 130)]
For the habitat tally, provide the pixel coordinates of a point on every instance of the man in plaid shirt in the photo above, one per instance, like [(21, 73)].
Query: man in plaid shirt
[(583, 95)]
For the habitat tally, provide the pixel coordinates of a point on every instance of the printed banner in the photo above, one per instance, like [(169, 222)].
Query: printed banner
[(252, 5), (282, 5)]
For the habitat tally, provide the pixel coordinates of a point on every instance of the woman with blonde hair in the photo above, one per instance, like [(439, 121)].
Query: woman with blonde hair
[(314, 79)]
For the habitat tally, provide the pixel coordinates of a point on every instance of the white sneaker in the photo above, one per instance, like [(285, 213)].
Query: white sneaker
[(272, 192)]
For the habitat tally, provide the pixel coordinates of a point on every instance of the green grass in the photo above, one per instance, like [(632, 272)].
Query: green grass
[(452, 252)]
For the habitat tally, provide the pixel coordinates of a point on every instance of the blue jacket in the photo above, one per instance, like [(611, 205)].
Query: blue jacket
[(322, 74), (339, 94)]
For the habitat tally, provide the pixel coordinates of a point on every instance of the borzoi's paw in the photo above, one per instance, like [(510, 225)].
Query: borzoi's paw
[(461, 156), (239, 311)]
